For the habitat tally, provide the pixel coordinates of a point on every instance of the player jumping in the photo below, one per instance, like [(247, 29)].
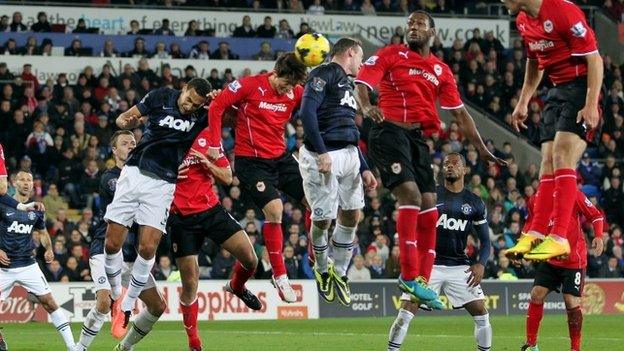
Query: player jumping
[(561, 44), (331, 163), (453, 273), (265, 104), (410, 80), (196, 213), (17, 261), (146, 184), (566, 275)]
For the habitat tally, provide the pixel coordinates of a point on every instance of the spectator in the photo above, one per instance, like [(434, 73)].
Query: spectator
[(284, 31), (393, 267), (192, 29), (139, 49), (4, 23), (27, 76), (612, 269), (201, 51), (54, 202), (214, 79), (42, 24), (224, 52), (357, 271), (265, 53), (75, 49), (377, 269), (304, 28), (295, 6), (589, 171), (266, 30), (134, 28), (164, 29), (222, 265), (245, 30), (167, 77), (109, 50), (10, 47), (350, 5), (164, 269), (16, 23), (175, 51), (263, 271), (316, 8), (386, 6), (54, 271), (367, 8), (291, 263), (81, 27), (145, 72)]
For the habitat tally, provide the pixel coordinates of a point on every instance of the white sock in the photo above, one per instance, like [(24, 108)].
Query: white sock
[(113, 265), (483, 332), (90, 328), (399, 329), (142, 325), (61, 322), (140, 273), (342, 247), (319, 244)]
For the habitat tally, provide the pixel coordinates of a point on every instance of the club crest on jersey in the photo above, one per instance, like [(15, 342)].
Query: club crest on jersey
[(437, 69), (260, 186), (290, 95), (579, 30), (234, 86), (466, 209), (201, 142), (548, 26), (112, 184), (371, 60), (396, 168), (318, 84), (32, 216)]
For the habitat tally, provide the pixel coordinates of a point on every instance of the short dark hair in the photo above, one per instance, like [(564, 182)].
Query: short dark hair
[(200, 85), (431, 21), (344, 44), (461, 157), (289, 66), (113, 139)]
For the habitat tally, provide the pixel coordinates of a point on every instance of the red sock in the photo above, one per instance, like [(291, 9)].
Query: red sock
[(240, 277), (565, 200), (307, 217), (189, 314), (534, 318), (274, 241), (406, 227), (542, 211), (575, 324), (426, 232)]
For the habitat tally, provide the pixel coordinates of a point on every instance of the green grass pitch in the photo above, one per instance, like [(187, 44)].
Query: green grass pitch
[(426, 333)]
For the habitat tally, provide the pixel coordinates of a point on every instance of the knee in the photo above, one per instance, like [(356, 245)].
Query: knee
[(571, 301), (158, 309), (410, 306), (249, 260), (349, 218), (323, 225), (407, 194), (428, 201), (147, 250), (48, 304), (112, 246), (537, 296), (190, 282), (273, 211)]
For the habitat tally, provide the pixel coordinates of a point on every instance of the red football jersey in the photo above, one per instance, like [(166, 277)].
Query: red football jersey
[(195, 193), (409, 85), (558, 38), (578, 249), (261, 118), (3, 171)]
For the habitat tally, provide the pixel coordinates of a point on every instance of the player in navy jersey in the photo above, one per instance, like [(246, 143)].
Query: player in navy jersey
[(331, 163), (9, 201), (454, 273), (17, 261), (144, 190)]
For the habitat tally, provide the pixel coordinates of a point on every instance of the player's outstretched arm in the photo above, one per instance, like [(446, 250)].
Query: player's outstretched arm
[(236, 92), (129, 119), (469, 129), (595, 73), (532, 78)]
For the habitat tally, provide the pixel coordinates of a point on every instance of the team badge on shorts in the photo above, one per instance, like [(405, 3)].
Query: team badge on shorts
[(318, 211), (101, 280), (548, 26), (466, 209), (174, 246), (260, 186), (396, 168)]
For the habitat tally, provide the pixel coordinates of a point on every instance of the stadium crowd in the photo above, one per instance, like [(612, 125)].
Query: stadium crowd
[(61, 132)]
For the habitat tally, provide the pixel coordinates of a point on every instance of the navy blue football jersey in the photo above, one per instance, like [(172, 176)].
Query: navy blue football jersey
[(16, 235), (108, 184), (333, 89), (168, 134), (458, 213)]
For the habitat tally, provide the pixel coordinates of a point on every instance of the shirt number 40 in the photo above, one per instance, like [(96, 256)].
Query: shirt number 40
[(348, 100)]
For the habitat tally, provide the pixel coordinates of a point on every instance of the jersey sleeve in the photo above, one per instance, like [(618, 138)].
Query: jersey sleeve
[(480, 215), (591, 213), (40, 223), (201, 144), (575, 30), (313, 96), (373, 69), (150, 101), (107, 188), (448, 92), (235, 92), (3, 171)]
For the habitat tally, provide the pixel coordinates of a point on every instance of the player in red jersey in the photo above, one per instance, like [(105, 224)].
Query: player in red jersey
[(265, 104), (568, 274), (561, 45), (196, 213), (410, 81)]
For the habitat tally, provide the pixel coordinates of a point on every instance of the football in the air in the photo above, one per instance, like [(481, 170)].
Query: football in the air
[(312, 49)]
